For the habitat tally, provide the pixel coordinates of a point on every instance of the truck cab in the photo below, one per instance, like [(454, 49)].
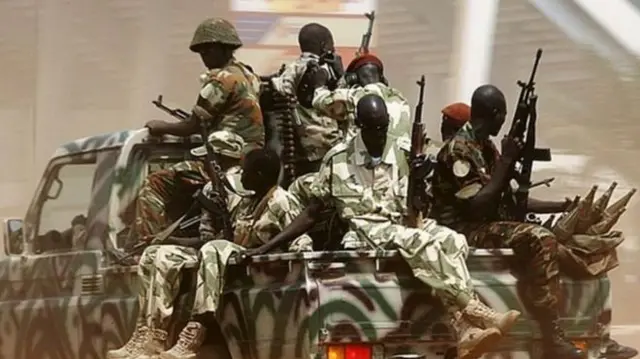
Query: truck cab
[(64, 296)]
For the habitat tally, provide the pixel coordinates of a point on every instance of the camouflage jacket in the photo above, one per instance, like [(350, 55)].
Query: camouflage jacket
[(359, 193), (464, 165), (231, 95), (341, 105), (321, 132), (255, 221), (301, 188)]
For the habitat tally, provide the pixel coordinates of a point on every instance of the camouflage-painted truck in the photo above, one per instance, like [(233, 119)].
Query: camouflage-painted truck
[(66, 298)]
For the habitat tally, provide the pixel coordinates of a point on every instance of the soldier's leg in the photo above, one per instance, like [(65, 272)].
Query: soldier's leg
[(156, 192), (170, 260), (479, 327), (146, 272), (536, 263), (209, 289)]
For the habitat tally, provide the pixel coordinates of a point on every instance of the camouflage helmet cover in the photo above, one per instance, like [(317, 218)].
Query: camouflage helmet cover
[(225, 143), (215, 30)]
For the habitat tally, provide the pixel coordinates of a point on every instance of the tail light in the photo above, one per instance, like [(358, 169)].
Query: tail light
[(349, 351)]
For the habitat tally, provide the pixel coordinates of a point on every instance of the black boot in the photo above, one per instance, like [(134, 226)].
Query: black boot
[(554, 344)]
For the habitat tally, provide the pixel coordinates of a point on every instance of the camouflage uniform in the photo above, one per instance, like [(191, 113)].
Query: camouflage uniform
[(341, 105), (230, 95), (373, 202), (301, 188), (255, 224), (179, 181), (321, 132), (464, 167)]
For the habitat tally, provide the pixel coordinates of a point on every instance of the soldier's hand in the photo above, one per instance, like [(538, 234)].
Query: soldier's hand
[(155, 127), (421, 165), (511, 148)]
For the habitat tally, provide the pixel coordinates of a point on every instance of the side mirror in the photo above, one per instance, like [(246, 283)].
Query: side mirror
[(13, 235)]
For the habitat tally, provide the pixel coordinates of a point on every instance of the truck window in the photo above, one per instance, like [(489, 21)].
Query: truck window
[(73, 194)]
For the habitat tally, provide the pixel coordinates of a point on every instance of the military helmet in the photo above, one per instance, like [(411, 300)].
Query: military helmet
[(215, 30), (225, 143)]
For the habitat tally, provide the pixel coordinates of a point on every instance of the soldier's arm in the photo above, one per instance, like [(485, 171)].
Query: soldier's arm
[(287, 82), (311, 214), (334, 104), (457, 159), (207, 230)]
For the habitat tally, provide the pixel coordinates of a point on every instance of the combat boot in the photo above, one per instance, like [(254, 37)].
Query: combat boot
[(554, 343), (189, 342), (482, 316), (473, 342), (134, 347), (154, 345)]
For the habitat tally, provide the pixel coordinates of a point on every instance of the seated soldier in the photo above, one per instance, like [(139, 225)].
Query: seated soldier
[(257, 219), (160, 265), (182, 180), (364, 76), (362, 178)]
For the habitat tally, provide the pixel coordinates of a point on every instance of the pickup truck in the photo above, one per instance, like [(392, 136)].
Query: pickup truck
[(63, 296)]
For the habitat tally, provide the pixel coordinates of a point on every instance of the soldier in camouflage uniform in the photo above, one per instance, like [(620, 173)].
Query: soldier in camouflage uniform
[(160, 265), (179, 181), (229, 98), (472, 196), (366, 77), (318, 132), (257, 219), (365, 179)]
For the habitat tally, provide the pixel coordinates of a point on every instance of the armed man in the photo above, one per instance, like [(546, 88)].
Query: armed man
[(256, 220), (472, 195), (365, 178), (229, 98), (182, 180), (257, 217), (315, 133), (160, 265)]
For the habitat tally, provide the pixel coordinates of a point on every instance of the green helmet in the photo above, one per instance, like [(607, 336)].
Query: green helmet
[(215, 30)]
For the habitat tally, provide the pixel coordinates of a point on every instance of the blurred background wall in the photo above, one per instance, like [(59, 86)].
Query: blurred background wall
[(70, 69)]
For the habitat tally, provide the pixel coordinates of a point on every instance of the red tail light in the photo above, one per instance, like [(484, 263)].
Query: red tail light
[(349, 351)]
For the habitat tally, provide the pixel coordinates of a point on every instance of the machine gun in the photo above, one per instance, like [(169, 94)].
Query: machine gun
[(366, 37), (417, 144), (523, 127)]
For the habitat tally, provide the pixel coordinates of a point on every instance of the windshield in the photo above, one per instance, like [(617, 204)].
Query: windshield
[(73, 193)]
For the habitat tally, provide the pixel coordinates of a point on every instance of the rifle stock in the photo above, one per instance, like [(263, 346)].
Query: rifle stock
[(417, 144)]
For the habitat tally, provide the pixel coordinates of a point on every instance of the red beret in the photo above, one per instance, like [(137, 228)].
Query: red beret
[(363, 60), (457, 113)]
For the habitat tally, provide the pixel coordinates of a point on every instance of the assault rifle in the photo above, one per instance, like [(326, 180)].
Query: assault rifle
[(523, 127), (178, 113), (417, 144), (366, 37)]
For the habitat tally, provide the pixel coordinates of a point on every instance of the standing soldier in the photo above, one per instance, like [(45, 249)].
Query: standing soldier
[(363, 76), (229, 99), (316, 133)]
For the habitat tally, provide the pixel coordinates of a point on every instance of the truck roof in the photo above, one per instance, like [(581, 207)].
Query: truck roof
[(109, 140)]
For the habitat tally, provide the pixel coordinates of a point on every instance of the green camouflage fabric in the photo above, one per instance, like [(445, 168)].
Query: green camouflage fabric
[(320, 132), (179, 181), (231, 96), (251, 230), (372, 201), (464, 166), (341, 105), (157, 192), (215, 30), (301, 188)]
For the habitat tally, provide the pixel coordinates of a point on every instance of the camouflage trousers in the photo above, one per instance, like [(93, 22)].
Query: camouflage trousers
[(213, 266), (436, 254), (159, 189), (535, 260), (160, 274)]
